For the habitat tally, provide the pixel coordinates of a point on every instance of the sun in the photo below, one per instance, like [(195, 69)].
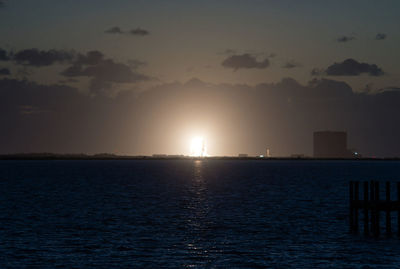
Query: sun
[(198, 147)]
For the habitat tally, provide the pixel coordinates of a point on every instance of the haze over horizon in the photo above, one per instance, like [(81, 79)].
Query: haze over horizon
[(145, 77)]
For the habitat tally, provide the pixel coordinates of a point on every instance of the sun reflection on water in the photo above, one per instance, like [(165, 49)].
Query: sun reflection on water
[(198, 221)]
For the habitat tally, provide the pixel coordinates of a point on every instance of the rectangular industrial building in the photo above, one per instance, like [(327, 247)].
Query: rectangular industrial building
[(330, 144)]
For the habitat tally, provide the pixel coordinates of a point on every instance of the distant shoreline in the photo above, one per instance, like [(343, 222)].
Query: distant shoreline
[(45, 156)]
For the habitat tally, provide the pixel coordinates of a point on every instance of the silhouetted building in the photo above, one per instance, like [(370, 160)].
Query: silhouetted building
[(159, 155), (243, 155), (298, 156), (329, 144)]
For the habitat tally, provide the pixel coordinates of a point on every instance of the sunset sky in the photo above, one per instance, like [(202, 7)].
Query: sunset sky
[(144, 77)]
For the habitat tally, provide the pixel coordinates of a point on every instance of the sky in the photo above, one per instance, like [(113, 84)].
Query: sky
[(145, 77)]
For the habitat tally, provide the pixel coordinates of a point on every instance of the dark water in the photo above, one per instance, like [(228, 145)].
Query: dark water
[(186, 214)]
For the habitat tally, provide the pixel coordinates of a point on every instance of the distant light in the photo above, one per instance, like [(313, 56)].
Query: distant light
[(356, 153), (198, 147), (261, 156)]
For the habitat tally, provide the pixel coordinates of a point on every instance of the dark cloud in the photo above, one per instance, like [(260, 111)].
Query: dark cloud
[(53, 115), (139, 32), (390, 89), (18, 93), (227, 52), (317, 72), (114, 30), (291, 64), (61, 119), (244, 61), (4, 55), (102, 71), (101, 86), (327, 88), (30, 110), (368, 87), (67, 81), (1, 4), (90, 58), (74, 70), (344, 39), (135, 32), (106, 70), (4, 72), (351, 67), (39, 58), (380, 36), (24, 72), (93, 64), (135, 64), (109, 70), (281, 115)]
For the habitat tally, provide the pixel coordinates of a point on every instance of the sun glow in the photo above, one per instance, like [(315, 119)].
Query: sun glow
[(198, 147)]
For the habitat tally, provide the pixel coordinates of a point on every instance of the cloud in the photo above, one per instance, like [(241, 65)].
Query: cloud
[(74, 70), (135, 64), (60, 119), (244, 61), (4, 55), (42, 111), (351, 67), (106, 70), (4, 72), (101, 87), (24, 72), (282, 114), (139, 32), (1, 3), (102, 71), (27, 93), (317, 72), (134, 32), (67, 81), (40, 58), (390, 89), (227, 52), (30, 110), (90, 58), (344, 39), (291, 64), (114, 30), (327, 88), (380, 36)]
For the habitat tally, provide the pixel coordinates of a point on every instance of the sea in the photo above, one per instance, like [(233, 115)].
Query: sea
[(188, 214)]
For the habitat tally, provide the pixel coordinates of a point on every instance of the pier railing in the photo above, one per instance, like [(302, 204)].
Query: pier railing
[(372, 205)]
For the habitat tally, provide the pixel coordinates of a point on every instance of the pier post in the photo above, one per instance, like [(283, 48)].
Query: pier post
[(377, 218), (366, 218), (388, 217), (356, 198), (372, 207), (398, 208), (351, 188)]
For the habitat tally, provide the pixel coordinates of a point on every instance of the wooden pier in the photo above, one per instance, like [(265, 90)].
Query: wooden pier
[(372, 206)]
